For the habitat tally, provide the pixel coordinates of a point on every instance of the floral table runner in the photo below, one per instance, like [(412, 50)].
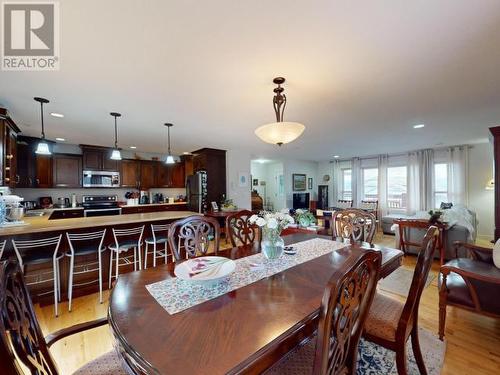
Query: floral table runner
[(176, 295)]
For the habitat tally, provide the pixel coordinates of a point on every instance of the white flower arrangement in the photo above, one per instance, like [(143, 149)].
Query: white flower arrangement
[(272, 221)]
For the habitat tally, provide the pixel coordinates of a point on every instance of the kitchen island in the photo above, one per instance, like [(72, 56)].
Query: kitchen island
[(42, 227)]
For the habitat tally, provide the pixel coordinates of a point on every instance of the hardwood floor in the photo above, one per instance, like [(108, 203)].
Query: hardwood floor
[(472, 340)]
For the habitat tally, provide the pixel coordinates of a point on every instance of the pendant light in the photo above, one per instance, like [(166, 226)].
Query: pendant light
[(43, 147), (116, 155), (279, 132), (169, 159)]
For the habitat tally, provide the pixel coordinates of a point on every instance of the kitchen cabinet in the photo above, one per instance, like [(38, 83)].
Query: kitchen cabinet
[(43, 172), (148, 175), (67, 170), (130, 170), (66, 214), (212, 161), (177, 175), (8, 150), (163, 175), (96, 158), (171, 175)]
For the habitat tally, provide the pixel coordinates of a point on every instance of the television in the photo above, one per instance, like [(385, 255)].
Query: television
[(301, 200)]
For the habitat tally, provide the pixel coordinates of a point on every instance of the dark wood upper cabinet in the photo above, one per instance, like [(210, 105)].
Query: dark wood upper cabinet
[(178, 177), (8, 150), (212, 161), (67, 170), (148, 175), (43, 174), (129, 176), (163, 175), (96, 158)]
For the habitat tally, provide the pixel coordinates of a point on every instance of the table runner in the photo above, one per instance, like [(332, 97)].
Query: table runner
[(176, 295)]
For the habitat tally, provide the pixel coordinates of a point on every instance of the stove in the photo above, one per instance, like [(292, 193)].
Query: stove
[(100, 205)]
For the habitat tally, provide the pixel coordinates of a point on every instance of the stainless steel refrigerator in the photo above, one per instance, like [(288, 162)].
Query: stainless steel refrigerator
[(196, 189)]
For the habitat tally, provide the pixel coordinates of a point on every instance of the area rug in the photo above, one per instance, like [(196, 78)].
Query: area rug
[(372, 359), (399, 281)]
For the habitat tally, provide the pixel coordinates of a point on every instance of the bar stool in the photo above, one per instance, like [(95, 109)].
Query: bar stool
[(125, 239), (84, 244), (2, 248), (159, 236), (31, 252)]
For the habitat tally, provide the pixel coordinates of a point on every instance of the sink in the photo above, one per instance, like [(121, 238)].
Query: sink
[(34, 213)]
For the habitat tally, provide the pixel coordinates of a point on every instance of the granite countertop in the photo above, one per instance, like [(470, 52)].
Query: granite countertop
[(40, 224)]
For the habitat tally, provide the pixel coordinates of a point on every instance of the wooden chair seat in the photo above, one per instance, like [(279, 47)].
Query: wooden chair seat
[(383, 317), (106, 364)]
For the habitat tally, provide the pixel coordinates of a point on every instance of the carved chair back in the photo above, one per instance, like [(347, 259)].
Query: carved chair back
[(344, 309), (239, 230), (193, 235), (344, 203), (422, 268), (371, 205), (22, 345), (355, 224)]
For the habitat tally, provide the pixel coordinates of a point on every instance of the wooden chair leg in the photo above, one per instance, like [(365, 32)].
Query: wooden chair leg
[(401, 359), (415, 344), (442, 306)]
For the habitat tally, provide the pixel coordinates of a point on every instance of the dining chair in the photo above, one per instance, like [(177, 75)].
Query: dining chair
[(193, 235), (469, 282), (344, 203), (239, 230), (82, 245), (391, 322), (125, 239), (344, 308), (355, 224), (159, 235), (35, 252), (22, 344)]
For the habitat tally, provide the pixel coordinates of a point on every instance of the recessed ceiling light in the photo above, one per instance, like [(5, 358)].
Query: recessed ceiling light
[(55, 114), (419, 126), (60, 139), (133, 147), (336, 156)]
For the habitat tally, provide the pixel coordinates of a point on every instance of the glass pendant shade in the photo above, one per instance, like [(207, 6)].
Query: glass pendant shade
[(279, 133), (43, 148), (170, 160), (490, 185), (116, 155)]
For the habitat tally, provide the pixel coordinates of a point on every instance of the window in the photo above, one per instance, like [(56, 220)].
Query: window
[(396, 187), (370, 183), (346, 188), (440, 183)]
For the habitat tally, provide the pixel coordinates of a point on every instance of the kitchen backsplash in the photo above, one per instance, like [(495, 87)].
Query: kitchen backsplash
[(34, 194)]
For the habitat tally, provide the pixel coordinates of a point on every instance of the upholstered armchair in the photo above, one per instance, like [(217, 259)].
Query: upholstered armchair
[(470, 283)]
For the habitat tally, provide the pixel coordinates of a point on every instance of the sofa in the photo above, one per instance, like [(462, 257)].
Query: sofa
[(456, 232)]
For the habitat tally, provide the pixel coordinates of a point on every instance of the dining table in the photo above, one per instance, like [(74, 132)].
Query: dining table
[(244, 331)]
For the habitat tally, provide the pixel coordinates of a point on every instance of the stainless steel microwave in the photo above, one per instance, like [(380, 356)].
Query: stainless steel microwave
[(101, 179)]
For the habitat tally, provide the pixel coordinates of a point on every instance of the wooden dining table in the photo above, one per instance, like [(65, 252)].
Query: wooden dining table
[(242, 332)]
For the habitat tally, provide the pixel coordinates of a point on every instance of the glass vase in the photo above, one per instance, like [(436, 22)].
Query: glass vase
[(272, 245)]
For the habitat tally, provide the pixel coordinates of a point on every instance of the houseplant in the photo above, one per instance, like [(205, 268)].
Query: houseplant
[(271, 224), (304, 218)]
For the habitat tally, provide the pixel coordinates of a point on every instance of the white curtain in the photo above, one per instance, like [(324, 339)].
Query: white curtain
[(420, 181), (383, 161), (458, 172), (356, 182), (337, 180)]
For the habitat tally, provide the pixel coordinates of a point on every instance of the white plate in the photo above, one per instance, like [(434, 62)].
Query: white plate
[(214, 274)]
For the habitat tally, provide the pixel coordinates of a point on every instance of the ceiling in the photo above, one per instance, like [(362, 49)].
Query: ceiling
[(358, 76)]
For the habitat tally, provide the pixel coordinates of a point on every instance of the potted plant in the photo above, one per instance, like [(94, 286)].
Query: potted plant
[(304, 218), (271, 224)]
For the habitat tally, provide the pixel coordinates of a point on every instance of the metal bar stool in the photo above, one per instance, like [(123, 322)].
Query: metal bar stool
[(31, 252), (125, 239), (159, 236), (84, 244), (2, 248)]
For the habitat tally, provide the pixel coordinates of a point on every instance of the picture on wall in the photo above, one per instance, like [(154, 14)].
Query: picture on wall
[(299, 182), (310, 183), (255, 182), (243, 179)]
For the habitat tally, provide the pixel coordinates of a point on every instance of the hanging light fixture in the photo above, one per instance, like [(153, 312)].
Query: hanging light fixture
[(279, 132), (169, 159), (116, 154), (43, 147)]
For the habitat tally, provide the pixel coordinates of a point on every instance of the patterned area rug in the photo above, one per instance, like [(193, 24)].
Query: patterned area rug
[(399, 281), (372, 359)]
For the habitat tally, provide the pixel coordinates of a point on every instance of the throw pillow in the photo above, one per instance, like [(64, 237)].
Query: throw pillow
[(496, 253)]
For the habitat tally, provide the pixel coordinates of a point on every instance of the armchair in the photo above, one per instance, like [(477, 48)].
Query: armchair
[(470, 283)]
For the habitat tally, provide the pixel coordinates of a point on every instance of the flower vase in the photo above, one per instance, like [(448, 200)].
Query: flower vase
[(272, 245)]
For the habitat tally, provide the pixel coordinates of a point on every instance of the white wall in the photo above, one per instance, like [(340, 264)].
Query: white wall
[(309, 168), (238, 161), (259, 172), (481, 200)]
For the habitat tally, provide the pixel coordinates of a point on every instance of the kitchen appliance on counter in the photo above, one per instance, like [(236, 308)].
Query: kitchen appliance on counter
[(144, 199), (100, 205), (30, 205), (62, 203), (196, 188), (14, 211), (101, 179)]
